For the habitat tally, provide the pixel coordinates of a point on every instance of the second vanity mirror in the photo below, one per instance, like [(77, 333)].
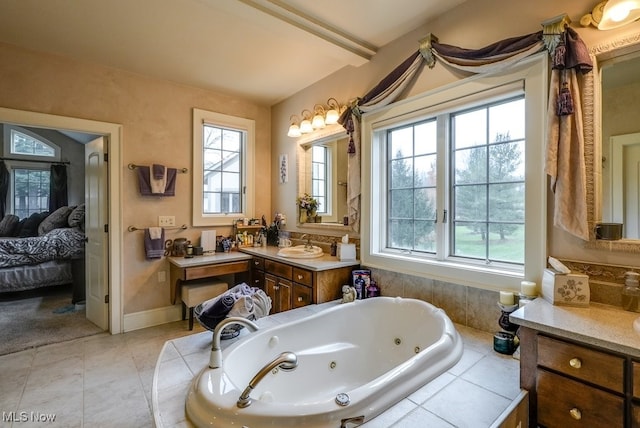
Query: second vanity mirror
[(612, 140), (322, 173)]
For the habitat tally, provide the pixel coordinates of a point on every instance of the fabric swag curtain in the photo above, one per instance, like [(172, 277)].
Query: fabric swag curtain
[(58, 187), (491, 58)]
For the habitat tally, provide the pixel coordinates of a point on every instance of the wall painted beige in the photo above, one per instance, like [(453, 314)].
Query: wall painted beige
[(156, 116), (474, 24)]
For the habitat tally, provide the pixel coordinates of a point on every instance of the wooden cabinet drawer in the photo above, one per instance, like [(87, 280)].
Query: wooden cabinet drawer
[(303, 276), (257, 279), (302, 295), (635, 415), (593, 366), (279, 269), (567, 403), (257, 263), (198, 272)]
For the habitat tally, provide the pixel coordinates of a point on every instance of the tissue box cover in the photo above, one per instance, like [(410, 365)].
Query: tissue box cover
[(346, 251), (569, 289)]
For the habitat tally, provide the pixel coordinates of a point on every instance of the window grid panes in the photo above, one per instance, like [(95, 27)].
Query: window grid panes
[(411, 172), (30, 192), (222, 167), (487, 195), (319, 177), (22, 144)]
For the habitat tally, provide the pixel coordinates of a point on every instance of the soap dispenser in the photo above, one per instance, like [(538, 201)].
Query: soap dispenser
[(631, 292)]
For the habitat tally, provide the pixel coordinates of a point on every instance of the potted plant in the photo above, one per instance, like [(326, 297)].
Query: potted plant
[(308, 206)]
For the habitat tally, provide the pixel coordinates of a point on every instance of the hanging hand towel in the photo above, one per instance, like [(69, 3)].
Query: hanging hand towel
[(158, 171), (154, 248), (144, 183), (170, 187), (158, 185)]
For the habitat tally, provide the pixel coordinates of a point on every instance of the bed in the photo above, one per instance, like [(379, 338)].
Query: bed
[(40, 261), (50, 252)]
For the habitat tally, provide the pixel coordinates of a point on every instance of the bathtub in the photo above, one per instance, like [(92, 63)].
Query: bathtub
[(355, 360)]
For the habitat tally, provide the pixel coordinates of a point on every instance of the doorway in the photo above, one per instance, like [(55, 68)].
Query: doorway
[(111, 261)]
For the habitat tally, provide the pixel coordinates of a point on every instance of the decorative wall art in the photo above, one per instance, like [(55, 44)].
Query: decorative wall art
[(284, 168)]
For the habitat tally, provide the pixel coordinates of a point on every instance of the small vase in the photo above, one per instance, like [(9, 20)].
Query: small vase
[(304, 217)]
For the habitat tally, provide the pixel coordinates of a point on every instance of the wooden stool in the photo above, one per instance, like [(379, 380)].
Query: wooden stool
[(198, 292)]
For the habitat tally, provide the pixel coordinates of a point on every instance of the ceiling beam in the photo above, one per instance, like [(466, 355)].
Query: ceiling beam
[(286, 13)]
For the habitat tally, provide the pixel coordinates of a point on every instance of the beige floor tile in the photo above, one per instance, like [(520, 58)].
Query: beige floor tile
[(432, 388), (392, 415), (497, 373), (464, 404), (422, 418)]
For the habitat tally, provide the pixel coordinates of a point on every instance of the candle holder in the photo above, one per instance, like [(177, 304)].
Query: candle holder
[(503, 321)]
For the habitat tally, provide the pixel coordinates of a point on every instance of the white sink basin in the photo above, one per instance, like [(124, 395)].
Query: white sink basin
[(300, 252)]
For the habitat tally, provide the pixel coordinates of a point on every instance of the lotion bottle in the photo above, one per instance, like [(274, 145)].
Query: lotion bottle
[(631, 292)]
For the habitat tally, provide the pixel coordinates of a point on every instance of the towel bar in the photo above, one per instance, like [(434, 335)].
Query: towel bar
[(133, 228), (182, 170)]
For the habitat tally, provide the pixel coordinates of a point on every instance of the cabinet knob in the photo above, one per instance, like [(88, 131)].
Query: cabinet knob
[(255, 262), (575, 363), (300, 276), (299, 298), (575, 413)]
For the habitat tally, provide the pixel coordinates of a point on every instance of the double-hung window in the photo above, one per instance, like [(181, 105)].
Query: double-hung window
[(223, 153), (29, 157), (453, 183)]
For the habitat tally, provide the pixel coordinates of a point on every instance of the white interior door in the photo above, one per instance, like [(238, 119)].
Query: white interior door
[(96, 250)]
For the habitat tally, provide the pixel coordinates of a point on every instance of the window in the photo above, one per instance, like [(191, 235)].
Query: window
[(444, 183), (320, 177), (223, 166), (30, 177), (30, 191)]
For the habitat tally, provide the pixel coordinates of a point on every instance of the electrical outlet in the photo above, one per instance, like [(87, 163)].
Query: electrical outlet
[(166, 220)]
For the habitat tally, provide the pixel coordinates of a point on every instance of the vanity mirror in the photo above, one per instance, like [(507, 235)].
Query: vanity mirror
[(612, 140), (322, 173)]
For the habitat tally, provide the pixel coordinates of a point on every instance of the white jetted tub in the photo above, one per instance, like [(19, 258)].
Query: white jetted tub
[(352, 362)]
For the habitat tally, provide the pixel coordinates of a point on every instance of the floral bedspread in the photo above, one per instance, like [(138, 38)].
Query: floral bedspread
[(58, 244)]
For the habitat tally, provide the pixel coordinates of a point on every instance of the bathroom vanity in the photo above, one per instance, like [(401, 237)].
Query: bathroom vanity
[(293, 283), (581, 366)]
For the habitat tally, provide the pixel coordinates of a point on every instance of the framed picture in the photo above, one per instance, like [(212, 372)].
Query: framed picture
[(284, 168), (361, 278)]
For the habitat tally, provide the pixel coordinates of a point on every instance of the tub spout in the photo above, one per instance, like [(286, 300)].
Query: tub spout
[(359, 420), (215, 360), (286, 361)]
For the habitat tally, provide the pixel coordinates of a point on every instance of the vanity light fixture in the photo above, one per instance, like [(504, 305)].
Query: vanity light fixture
[(305, 125), (333, 114), (294, 129), (318, 119), (610, 14)]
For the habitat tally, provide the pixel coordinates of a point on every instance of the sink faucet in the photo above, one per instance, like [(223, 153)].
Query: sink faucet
[(215, 360), (286, 361), (307, 245)]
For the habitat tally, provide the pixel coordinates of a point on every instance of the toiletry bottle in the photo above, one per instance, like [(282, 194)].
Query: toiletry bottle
[(631, 292), (334, 248)]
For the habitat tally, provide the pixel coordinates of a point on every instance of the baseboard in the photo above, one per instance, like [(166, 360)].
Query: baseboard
[(152, 317)]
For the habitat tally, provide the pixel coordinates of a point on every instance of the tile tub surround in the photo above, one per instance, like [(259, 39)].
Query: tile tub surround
[(469, 306), (476, 392)]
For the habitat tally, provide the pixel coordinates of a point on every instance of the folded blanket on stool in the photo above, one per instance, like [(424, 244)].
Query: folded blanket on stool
[(239, 301)]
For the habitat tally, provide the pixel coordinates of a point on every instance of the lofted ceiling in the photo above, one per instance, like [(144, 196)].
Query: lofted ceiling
[(264, 50)]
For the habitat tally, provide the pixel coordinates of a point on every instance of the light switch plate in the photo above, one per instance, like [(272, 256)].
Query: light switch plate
[(166, 220)]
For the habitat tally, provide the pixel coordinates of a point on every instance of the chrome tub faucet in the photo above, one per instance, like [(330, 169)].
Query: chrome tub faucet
[(286, 361)]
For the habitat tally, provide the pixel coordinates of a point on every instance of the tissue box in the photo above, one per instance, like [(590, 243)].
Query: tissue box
[(346, 251), (569, 289)]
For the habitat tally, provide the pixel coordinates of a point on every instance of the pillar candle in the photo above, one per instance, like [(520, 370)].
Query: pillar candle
[(507, 298), (528, 288)]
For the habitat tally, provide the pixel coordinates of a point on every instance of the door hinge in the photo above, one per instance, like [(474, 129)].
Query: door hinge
[(106, 298), (106, 228), (106, 157)]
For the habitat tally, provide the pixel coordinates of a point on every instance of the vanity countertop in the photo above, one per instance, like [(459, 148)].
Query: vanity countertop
[(605, 326), (325, 262)]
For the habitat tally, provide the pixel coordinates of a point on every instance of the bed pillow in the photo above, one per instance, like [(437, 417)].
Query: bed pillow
[(29, 226), (76, 217), (56, 219), (8, 224)]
